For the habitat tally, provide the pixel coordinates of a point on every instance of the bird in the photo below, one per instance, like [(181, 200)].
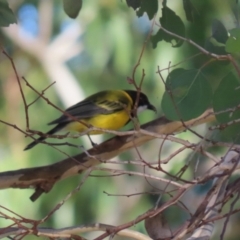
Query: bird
[(109, 109)]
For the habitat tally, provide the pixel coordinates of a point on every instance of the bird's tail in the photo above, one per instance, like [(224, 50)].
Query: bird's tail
[(52, 131)]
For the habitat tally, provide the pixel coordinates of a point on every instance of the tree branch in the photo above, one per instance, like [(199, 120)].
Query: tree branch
[(43, 178)]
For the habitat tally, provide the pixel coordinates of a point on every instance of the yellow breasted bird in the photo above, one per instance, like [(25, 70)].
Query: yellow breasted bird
[(111, 109)]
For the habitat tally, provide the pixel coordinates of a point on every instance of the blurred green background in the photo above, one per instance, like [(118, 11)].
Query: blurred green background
[(96, 51)]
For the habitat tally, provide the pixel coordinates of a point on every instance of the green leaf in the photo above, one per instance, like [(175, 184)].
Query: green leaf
[(226, 97), (134, 3), (149, 8), (158, 37), (72, 7), (219, 32), (189, 10), (173, 23), (188, 94), (6, 14), (233, 42), (216, 43), (213, 47)]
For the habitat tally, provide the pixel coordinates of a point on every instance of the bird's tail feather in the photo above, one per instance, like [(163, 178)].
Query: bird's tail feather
[(52, 131)]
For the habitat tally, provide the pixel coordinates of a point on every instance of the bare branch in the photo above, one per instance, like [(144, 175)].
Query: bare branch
[(43, 178), (70, 232)]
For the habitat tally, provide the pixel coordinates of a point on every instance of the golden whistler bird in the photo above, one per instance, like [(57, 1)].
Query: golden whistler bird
[(111, 110)]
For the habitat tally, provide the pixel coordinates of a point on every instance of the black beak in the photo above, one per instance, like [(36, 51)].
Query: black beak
[(151, 107)]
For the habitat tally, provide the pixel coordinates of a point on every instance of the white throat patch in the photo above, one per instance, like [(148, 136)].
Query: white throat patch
[(141, 108)]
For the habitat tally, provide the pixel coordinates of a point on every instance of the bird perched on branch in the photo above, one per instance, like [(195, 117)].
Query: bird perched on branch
[(110, 110)]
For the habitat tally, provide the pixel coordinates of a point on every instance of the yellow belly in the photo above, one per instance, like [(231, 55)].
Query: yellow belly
[(112, 121)]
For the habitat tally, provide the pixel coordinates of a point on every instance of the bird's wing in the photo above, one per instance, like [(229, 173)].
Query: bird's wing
[(87, 109)]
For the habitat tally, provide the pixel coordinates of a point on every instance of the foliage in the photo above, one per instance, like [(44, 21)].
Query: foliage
[(7, 16), (183, 54)]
